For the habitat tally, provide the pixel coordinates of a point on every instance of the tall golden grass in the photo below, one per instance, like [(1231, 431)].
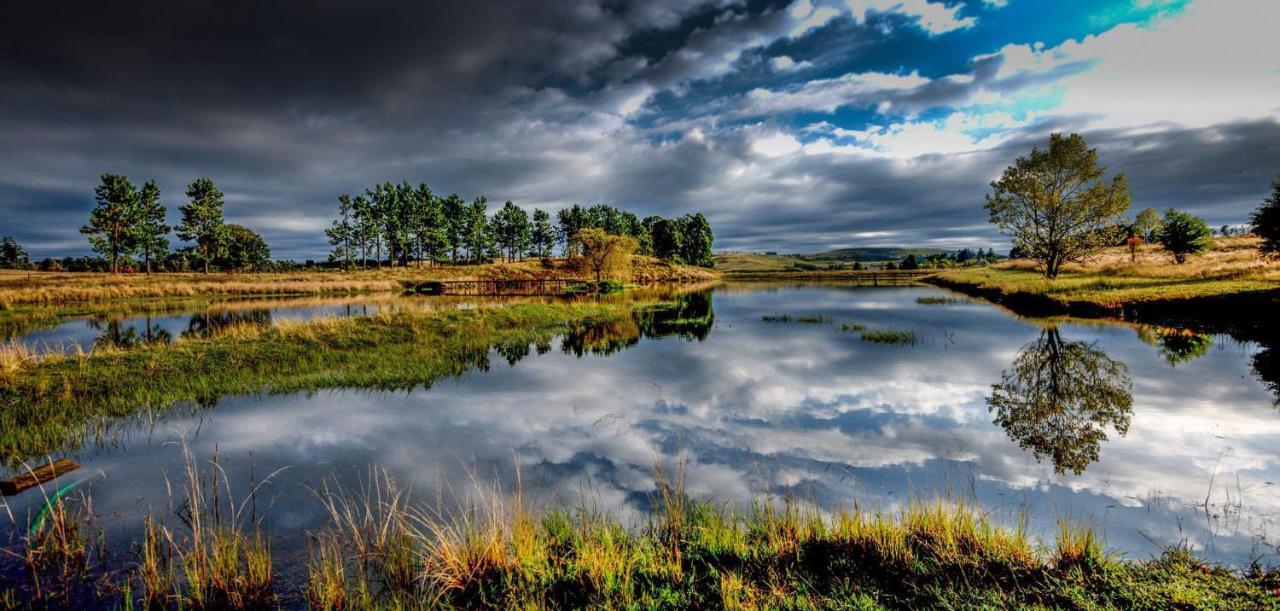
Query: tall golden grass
[(383, 550), (53, 288), (1229, 258)]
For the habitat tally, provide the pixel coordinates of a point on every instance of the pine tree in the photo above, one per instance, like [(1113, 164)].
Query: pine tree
[(151, 227), (511, 227), (342, 231), (1266, 222), (365, 226), (12, 255), (455, 216), (478, 236), (112, 227), (202, 220), (1183, 234), (542, 234)]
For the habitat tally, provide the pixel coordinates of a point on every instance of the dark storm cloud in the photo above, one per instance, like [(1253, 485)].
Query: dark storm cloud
[(286, 105)]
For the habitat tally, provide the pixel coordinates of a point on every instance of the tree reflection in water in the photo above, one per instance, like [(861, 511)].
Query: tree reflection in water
[(1176, 344), (1058, 399), (210, 323), (689, 316), (113, 332), (1266, 365)]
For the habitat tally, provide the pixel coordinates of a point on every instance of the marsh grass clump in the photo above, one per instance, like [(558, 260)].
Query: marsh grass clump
[(788, 554), (220, 560), (371, 555), (808, 319), (58, 548), (894, 337), (936, 300), (382, 550)]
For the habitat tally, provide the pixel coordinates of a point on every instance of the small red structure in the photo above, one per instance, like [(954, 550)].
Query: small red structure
[(1133, 242)]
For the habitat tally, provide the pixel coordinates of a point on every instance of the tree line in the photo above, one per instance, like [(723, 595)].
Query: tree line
[(400, 224), (128, 222), (1059, 208)]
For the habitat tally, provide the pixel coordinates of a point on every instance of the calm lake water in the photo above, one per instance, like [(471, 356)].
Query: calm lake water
[(1159, 437)]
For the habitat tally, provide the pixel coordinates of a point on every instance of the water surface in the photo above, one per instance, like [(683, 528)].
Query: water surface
[(1161, 437)]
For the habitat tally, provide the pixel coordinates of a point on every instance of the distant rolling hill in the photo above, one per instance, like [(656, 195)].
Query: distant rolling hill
[(758, 262), (871, 254)]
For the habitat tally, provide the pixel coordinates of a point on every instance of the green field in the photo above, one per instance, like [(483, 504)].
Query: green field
[(736, 262)]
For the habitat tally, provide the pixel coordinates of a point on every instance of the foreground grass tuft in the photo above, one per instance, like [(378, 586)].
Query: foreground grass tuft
[(382, 550)]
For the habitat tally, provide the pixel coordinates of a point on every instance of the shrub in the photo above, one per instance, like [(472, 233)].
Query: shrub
[(1183, 234), (1266, 222)]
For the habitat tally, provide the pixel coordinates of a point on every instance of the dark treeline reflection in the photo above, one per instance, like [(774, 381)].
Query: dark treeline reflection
[(116, 333), (688, 316), (1059, 398), (1266, 365), (206, 324), (128, 333)]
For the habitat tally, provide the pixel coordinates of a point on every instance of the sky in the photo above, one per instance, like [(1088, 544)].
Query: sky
[(794, 126)]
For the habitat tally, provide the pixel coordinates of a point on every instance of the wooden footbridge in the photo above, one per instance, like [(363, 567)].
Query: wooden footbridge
[(531, 286)]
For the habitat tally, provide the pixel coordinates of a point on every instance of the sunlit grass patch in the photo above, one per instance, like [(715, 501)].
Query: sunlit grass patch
[(1232, 266)]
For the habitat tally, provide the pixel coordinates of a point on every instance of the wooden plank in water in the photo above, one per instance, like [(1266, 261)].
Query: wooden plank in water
[(37, 476)]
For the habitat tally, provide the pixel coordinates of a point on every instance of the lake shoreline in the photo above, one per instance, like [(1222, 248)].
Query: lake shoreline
[(19, 290), (1222, 311), (930, 550)]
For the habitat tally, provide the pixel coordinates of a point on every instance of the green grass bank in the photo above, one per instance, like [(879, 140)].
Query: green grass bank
[(48, 403)]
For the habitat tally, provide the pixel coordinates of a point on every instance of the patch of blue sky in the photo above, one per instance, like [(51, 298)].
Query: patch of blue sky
[(891, 43)]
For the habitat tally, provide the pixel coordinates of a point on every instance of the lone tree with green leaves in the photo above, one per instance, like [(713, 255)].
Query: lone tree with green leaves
[(12, 255), (697, 240), (243, 250), (1266, 222), (113, 224), (668, 240), (1183, 234), (1057, 205), (1146, 224), (202, 220), (151, 229)]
